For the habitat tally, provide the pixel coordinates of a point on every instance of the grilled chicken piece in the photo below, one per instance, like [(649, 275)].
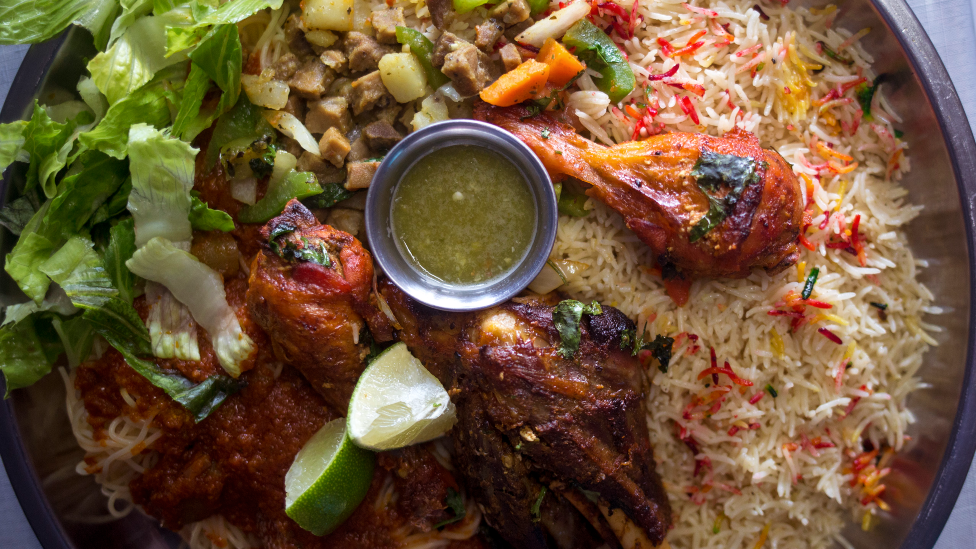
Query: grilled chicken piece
[(530, 419), (650, 183), (309, 289)]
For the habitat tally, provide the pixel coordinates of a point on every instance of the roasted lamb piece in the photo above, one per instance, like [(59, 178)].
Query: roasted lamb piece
[(309, 289), (707, 206), (556, 450)]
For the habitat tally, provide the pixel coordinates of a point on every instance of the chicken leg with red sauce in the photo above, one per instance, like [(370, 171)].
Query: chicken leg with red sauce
[(650, 183), (309, 289)]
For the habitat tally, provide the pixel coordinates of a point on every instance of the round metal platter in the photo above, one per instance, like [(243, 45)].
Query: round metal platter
[(66, 510)]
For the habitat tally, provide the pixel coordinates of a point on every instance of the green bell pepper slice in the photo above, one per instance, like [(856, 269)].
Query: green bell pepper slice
[(423, 50), (293, 185), (599, 52)]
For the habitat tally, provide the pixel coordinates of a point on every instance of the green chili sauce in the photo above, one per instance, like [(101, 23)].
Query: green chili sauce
[(464, 215)]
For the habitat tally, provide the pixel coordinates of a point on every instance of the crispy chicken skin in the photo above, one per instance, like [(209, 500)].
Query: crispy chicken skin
[(313, 307), (649, 183), (529, 418)]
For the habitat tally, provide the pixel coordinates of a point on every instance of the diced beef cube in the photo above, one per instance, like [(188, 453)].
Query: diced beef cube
[(331, 112), (369, 92), (381, 135), (469, 69), (487, 34), (335, 60), (296, 106), (333, 147), (511, 12), (285, 67), (385, 23), (295, 36), (360, 151), (342, 87), (325, 173), (516, 29), (364, 52), (447, 43), (311, 79), (360, 174), (441, 12), (510, 56)]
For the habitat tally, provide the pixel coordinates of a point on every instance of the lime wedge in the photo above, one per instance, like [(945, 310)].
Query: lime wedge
[(328, 480), (397, 402)]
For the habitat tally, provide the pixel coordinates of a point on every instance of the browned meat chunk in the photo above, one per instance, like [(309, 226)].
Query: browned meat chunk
[(385, 23), (441, 12), (446, 43), (360, 151), (335, 60), (296, 106), (487, 34), (325, 173), (511, 12), (364, 52), (368, 92), (516, 29), (529, 418), (360, 175), (295, 35), (313, 309), (311, 79), (342, 87), (469, 68), (388, 114), (381, 135), (510, 56), (333, 147), (285, 67), (331, 112)]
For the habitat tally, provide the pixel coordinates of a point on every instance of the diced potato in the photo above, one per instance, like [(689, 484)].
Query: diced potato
[(321, 38), (403, 76), (328, 14), (265, 92), (433, 109)]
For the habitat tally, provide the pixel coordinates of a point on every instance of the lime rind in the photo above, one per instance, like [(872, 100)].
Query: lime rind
[(328, 479), (397, 402)]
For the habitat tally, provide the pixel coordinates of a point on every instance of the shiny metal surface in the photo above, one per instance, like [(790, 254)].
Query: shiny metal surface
[(423, 287), (64, 509)]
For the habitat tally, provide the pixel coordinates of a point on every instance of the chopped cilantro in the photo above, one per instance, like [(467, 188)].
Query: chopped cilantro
[(661, 348), (537, 506), (772, 392), (455, 502), (714, 170), (808, 285), (877, 305), (566, 317)]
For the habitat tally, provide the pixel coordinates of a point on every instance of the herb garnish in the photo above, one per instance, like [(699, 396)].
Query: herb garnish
[(865, 94), (661, 348), (314, 253), (456, 504), (537, 506), (882, 310), (712, 170), (808, 285), (834, 55), (772, 392), (566, 316), (877, 305)]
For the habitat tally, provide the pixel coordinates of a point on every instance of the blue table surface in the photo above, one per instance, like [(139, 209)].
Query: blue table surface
[(950, 25)]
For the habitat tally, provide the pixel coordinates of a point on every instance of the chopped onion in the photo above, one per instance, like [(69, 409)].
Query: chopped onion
[(286, 123), (556, 273), (244, 190), (554, 26), (264, 92), (448, 91)]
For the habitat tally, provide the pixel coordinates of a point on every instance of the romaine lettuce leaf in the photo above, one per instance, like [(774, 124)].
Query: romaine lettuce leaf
[(149, 104), (24, 261), (14, 216), (77, 337), (27, 351), (44, 140), (121, 246), (162, 176), (80, 195), (206, 14), (189, 123), (132, 60), (80, 273), (55, 301), (218, 58), (172, 331), (32, 21), (202, 290), (11, 143), (202, 218)]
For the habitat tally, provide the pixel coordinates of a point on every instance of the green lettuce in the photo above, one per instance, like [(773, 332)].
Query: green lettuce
[(132, 60), (206, 14), (28, 349), (15, 215), (77, 337), (11, 143), (218, 58), (32, 21), (121, 246), (80, 273), (44, 142), (162, 176), (202, 218)]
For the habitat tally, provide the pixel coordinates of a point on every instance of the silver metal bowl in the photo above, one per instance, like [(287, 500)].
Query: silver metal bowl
[(36, 441), (420, 285)]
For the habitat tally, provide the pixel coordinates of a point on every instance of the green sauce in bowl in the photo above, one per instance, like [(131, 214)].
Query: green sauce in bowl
[(464, 215)]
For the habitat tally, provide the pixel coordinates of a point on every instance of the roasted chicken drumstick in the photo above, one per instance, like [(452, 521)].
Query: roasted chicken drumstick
[(707, 206), (532, 423)]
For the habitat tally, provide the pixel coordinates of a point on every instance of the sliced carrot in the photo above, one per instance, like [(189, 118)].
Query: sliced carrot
[(563, 66), (524, 82)]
